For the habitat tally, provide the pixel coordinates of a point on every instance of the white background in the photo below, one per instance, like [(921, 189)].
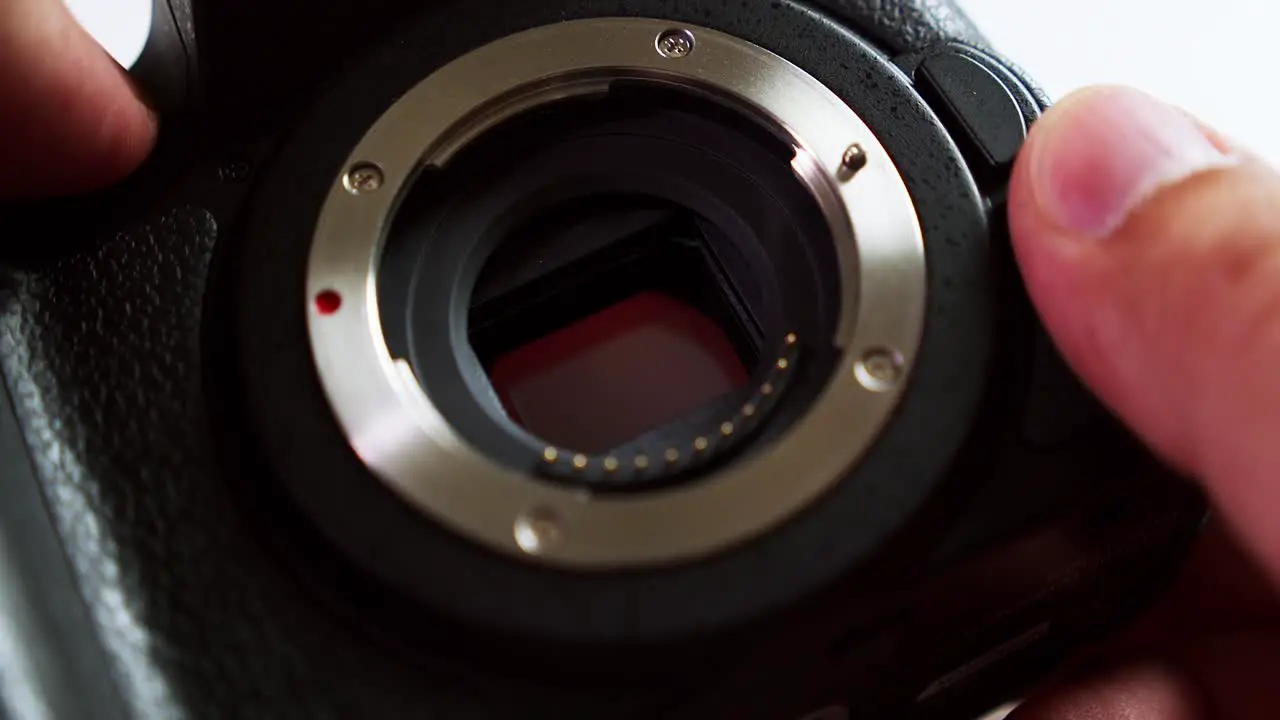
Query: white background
[(120, 25), (1214, 57)]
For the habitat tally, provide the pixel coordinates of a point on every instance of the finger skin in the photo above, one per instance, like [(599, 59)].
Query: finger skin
[(71, 120), (1150, 690), (1170, 311), (1209, 650), (1174, 320)]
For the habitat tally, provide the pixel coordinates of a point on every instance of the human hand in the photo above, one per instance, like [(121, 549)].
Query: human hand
[(1151, 248), (1152, 254), (71, 120)]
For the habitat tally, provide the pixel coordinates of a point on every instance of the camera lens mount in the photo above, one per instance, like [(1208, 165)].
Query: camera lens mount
[(386, 409)]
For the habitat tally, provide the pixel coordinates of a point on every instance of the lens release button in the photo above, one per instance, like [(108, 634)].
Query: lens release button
[(976, 104)]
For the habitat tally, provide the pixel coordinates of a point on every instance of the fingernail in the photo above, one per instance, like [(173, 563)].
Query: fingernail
[(1102, 153)]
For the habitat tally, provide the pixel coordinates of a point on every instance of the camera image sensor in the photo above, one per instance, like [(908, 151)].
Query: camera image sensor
[(610, 377)]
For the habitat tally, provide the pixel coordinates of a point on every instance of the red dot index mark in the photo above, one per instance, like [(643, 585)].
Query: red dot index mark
[(328, 302)]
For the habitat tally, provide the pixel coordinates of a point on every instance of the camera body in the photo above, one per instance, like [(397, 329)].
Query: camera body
[(189, 533)]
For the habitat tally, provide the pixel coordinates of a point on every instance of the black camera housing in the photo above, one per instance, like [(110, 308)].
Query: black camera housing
[(185, 532)]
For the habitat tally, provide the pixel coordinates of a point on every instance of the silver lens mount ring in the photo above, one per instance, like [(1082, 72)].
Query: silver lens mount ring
[(406, 442)]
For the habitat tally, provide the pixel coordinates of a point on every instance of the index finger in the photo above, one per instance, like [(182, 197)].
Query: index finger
[(72, 121)]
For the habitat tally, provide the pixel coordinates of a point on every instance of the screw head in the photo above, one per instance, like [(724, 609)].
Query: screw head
[(537, 529), (363, 179), (880, 369), (234, 171), (675, 43), (853, 160)]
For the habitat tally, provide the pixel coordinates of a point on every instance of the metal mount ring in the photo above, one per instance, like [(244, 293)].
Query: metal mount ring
[(404, 440)]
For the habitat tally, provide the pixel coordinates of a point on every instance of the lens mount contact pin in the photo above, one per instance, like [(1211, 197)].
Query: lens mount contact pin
[(537, 509), (619, 466)]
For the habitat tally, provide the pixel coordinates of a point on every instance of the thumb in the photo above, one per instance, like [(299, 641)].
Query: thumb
[(1153, 254), (71, 121)]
